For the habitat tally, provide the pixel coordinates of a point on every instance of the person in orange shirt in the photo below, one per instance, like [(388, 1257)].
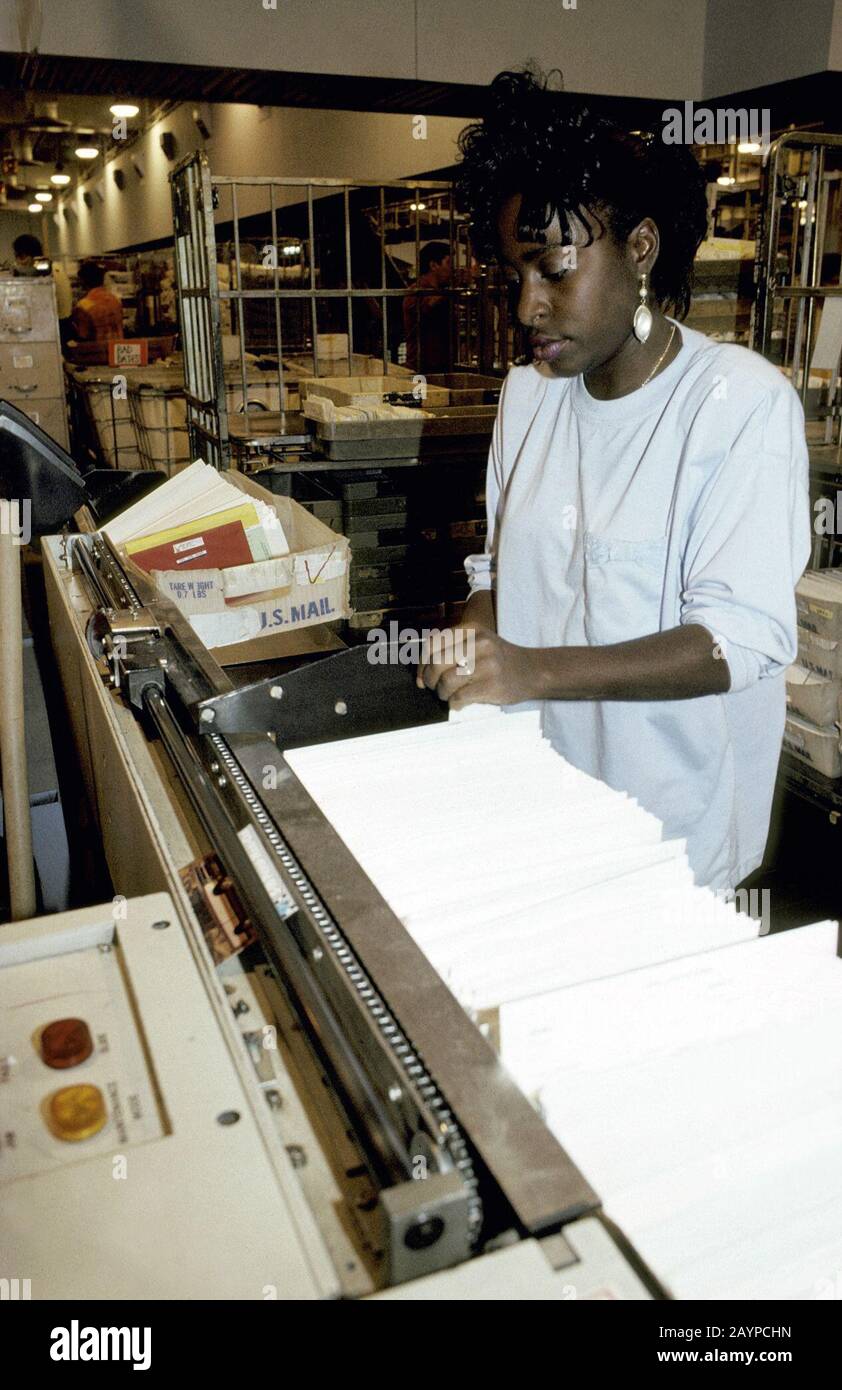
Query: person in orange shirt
[(99, 313)]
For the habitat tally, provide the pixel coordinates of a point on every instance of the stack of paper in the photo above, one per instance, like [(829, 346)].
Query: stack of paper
[(703, 1099), (515, 872), (692, 1073), (198, 520)]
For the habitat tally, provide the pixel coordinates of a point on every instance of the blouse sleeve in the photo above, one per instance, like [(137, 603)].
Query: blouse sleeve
[(748, 542)]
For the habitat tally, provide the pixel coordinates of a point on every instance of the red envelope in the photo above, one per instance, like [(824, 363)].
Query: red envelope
[(216, 548)]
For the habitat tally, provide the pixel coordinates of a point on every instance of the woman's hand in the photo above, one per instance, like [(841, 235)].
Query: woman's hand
[(476, 667)]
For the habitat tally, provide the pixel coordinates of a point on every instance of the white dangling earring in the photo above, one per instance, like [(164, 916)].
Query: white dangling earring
[(642, 321)]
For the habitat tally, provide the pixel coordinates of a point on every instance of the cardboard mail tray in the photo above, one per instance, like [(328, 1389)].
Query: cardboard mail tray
[(813, 696), (818, 599), (245, 613), (817, 747)]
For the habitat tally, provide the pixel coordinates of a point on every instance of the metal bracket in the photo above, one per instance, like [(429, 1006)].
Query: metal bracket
[(425, 1226), (342, 696)]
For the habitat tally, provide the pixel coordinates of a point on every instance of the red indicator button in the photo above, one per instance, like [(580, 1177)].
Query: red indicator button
[(66, 1043)]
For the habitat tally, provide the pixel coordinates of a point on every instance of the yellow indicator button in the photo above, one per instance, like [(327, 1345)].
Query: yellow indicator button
[(76, 1112)]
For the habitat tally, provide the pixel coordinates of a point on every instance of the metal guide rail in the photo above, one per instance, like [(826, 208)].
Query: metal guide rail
[(410, 1074)]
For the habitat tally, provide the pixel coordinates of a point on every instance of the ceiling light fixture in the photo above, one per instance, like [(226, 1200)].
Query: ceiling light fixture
[(748, 147), (35, 207), (43, 197), (86, 152), (125, 109), (59, 178), (726, 180)]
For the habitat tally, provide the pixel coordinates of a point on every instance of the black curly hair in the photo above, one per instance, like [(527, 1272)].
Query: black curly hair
[(565, 160)]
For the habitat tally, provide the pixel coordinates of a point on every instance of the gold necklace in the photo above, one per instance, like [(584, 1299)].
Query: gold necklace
[(660, 359)]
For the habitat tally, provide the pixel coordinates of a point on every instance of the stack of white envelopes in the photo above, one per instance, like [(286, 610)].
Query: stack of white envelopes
[(691, 1068)]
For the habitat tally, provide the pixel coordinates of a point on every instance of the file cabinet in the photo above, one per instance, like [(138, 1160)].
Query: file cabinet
[(31, 373)]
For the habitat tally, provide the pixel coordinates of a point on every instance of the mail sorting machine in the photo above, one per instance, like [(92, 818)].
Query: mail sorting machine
[(427, 1171)]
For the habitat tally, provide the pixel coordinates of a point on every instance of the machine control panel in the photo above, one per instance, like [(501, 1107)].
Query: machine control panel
[(73, 1076)]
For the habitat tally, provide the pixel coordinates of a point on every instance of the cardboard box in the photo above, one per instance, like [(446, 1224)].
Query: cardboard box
[(817, 747), (818, 599), (244, 613), (820, 654), (812, 696)]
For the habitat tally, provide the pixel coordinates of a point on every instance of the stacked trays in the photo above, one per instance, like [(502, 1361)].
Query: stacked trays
[(410, 530)]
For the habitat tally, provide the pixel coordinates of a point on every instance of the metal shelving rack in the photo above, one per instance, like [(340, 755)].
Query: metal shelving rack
[(802, 197), (802, 189)]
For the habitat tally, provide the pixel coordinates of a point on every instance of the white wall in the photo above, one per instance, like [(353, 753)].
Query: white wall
[(651, 48), (371, 37), (625, 47), (251, 141), (834, 60), (749, 43), (663, 48)]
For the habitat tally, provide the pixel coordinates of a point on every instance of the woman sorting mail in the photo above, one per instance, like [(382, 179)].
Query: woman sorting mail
[(647, 491)]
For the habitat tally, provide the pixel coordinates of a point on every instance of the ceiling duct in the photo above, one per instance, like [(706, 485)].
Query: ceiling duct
[(30, 16)]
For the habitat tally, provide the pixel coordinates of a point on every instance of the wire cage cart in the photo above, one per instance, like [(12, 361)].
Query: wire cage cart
[(310, 277), (108, 414), (159, 416), (797, 315)]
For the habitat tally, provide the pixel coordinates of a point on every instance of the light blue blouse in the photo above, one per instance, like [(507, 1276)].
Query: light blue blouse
[(686, 501)]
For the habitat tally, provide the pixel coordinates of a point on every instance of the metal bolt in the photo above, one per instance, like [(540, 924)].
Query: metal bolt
[(317, 953), (162, 661), (104, 947), (341, 707), (273, 1100), (222, 781), (208, 716), (214, 766), (276, 692), (228, 1117), (395, 1093)]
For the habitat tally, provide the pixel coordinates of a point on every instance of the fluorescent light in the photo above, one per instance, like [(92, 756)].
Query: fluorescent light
[(417, 207), (43, 197), (726, 180), (35, 207), (748, 147), (124, 108), (86, 152), (60, 179)]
